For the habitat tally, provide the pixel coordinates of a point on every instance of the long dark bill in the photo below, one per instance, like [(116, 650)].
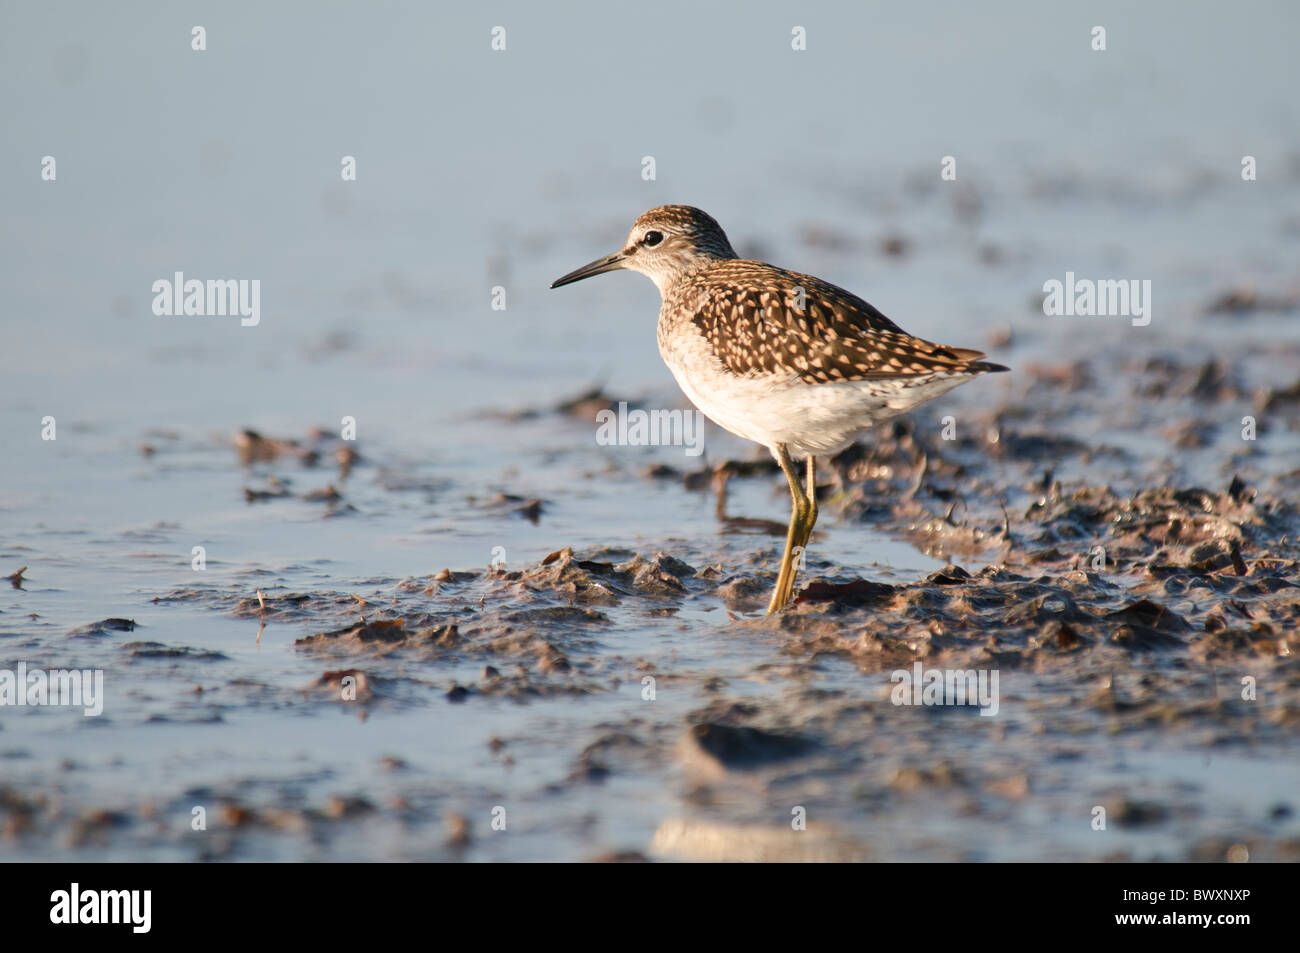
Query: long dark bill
[(597, 267)]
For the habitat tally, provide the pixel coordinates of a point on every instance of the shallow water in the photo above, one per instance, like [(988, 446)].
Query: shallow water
[(478, 170)]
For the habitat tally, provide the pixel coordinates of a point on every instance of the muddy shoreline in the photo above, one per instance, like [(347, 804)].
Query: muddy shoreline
[(1126, 620)]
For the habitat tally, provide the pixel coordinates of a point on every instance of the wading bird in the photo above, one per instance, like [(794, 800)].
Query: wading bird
[(787, 360)]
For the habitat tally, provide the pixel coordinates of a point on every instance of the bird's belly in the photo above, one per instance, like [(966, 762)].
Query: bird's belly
[(818, 419), (805, 419)]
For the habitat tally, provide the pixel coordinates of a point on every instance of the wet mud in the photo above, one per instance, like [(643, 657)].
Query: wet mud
[(1139, 600)]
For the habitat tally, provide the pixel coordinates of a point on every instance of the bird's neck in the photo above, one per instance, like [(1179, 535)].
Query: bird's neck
[(684, 267)]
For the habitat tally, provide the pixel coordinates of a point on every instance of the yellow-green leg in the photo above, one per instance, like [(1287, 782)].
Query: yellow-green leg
[(812, 501), (803, 515)]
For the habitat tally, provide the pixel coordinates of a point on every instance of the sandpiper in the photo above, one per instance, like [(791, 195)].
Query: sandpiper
[(787, 360)]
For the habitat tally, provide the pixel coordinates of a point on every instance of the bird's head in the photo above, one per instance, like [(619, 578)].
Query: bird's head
[(664, 243)]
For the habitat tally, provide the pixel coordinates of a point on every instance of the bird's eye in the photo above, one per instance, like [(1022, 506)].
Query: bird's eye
[(652, 238)]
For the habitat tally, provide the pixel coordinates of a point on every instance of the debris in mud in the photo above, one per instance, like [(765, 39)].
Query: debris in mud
[(1190, 435), (506, 633), (661, 576), (1141, 627), (1132, 813), (530, 509), (745, 593), (276, 489), (1279, 399), (621, 857), (348, 684), (285, 606), (342, 808), (327, 495), (95, 827), (1240, 491), (458, 830), (156, 650), (389, 632), (614, 746), (253, 448), (104, 627), (1247, 300), (1003, 444), (586, 405), (930, 777), (1070, 377), (859, 592), (557, 615), (604, 583), (715, 478), (347, 458), (1208, 382), (1217, 555), (731, 747)]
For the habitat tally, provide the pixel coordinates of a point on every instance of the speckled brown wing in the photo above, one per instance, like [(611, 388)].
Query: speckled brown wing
[(762, 320)]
